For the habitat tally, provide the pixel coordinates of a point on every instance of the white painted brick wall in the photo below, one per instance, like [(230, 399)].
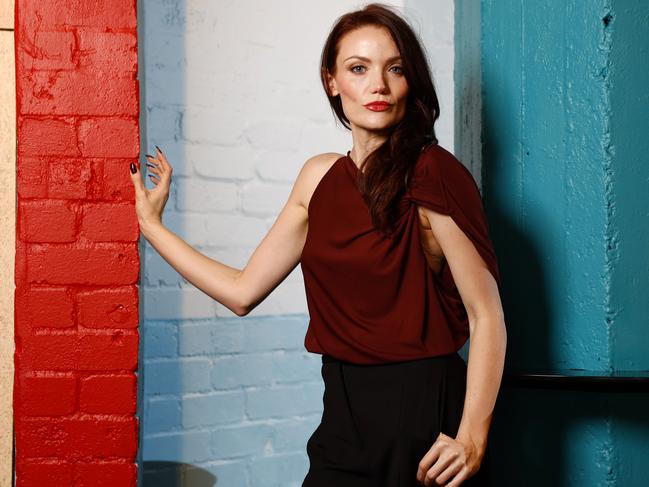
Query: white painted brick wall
[(232, 95), (236, 104)]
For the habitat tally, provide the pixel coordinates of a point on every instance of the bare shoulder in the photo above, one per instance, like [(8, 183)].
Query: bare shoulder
[(312, 171)]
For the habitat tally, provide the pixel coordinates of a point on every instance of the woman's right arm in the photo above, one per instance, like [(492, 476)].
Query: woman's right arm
[(276, 256)]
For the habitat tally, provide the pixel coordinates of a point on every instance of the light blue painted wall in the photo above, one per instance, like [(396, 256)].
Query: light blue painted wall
[(228, 395), (566, 184)]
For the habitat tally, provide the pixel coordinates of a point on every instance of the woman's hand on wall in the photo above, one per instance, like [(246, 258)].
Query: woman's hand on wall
[(150, 203)]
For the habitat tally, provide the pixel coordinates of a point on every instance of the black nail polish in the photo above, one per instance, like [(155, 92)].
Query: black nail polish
[(149, 155), (133, 168), (158, 148)]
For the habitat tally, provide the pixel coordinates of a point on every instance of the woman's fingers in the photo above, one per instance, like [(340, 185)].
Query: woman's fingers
[(448, 462), (441, 466), (164, 162), (154, 178), (453, 467), (426, 462), (459, 478), (159, 167), (155, 162), (153, 169), (138, 184), (160, 162), (149, 202)]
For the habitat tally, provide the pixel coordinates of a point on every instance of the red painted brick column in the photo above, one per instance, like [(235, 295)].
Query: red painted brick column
[(77, 262)]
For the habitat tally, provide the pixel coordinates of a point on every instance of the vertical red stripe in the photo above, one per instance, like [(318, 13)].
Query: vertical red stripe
[(77, 262)]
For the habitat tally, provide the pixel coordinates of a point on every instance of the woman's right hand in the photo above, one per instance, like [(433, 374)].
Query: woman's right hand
[(150, 203)]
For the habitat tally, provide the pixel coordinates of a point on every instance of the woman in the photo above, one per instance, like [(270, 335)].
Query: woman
[(398, 269)]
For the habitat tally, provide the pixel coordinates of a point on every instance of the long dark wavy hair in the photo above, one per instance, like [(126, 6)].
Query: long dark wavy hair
[(386, 170)]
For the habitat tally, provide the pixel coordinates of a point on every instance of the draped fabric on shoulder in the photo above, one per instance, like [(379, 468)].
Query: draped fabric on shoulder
[(374, 299), (443, 184)]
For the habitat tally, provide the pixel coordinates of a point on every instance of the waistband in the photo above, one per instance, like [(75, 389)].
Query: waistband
[(326, 359)]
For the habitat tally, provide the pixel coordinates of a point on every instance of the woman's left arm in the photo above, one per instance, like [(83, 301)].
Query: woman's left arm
[(460, 457)]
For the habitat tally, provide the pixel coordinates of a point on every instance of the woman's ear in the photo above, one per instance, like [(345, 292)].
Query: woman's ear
[(331, 82)]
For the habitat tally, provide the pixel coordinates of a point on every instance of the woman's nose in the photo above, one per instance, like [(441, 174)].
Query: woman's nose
[(378, 84)]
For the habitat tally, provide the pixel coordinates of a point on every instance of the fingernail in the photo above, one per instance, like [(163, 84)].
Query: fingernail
[(133, 168), (149, 155), (158, 148)]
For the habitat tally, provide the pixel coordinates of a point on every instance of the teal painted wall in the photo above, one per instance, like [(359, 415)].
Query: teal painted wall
[(629, 127), (629, 236), (545, 113), (565, 179)]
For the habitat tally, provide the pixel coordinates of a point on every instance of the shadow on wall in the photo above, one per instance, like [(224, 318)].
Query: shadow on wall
[(162, 85), (530, 428), (175, 474)]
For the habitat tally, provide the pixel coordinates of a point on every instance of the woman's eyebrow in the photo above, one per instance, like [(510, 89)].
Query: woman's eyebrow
[(367, 60)]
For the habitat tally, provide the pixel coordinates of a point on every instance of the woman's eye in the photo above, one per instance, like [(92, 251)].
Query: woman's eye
[(354, 70)]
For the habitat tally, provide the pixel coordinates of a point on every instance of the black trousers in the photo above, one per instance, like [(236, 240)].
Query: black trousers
[(379, 420)]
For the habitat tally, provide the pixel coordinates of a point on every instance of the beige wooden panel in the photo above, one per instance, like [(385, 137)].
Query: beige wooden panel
[(7, 14), (7, 233)]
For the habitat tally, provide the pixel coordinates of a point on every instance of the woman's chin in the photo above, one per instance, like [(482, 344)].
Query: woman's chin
[(376, 125)]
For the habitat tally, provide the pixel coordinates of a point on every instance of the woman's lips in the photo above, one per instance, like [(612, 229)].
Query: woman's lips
[(378, 107)]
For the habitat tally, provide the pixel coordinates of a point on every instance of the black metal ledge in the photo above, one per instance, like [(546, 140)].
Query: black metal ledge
[(578, 380)]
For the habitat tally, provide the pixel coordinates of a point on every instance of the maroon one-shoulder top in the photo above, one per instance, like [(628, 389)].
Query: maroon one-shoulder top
[(373, 299)]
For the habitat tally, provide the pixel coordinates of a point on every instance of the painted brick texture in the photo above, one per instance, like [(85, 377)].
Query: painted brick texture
[(77, 262)]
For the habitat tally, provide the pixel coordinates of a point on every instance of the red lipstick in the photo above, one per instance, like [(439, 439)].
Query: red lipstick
[(378, 106)]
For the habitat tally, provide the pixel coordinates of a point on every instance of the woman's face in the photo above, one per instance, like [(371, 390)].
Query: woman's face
[(369, 69)]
